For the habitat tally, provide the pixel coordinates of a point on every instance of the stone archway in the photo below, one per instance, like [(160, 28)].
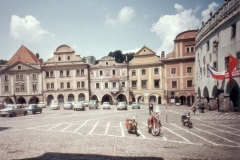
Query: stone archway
[(140, 99), (8, 100), (21, 100), (159, 100), (60, 98), (33, 100), (49, 99), (122, 98), (107, 98), (152, 99), (182, 100), (71, 98), (233, 90), (81, 97), (94, 97)]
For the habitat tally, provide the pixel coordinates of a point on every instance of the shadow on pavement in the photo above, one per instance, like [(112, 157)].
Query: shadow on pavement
[(4, 128), (61, 156)]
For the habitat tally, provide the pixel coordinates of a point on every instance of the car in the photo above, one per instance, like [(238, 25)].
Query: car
[(93, 104), (121, 105), (78, 106), (54, 105), (85, 103), (1, 105), (135, 105), (67, 105), (13, 110), (106, 105), (41, 105), (33, 108)]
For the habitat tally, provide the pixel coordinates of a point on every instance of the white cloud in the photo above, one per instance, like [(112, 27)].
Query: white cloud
[(178, 7), (27, 28), (124, 16), (169, 26), (211, 8), (131, 51)]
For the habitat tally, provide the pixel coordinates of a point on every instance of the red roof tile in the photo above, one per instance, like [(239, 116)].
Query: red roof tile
[(24, 55)]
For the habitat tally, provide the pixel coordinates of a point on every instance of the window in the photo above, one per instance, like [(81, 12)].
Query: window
[(6, 87), (77, 72), (114, 84), (144, 84), (173, 70), (238, 57), (97, 85), (17, 76), (100, 73), (215, 65), (187, 50), (61, 73), (47, 74), (17, 88), (233, 31), (155, 70), (19, 67), (208, 72), (62, 85), (51, 73), (189, 69), (106, 85), (34, 87), (48, 86), (21, 76), (123, 84), (68, 58), (34, 76), (67, 73), (192, 49), (78, 84), (156, 83), (133, 73), (106, 63), (6, 77), (189, 83), (143, 71), (226, 63), (174, 84), (52, 85), (208, 46), (113, 72), (82, 84), (22, 87), (68, 84), (59, 58), (215, 46), (134, 84), (82, 72)]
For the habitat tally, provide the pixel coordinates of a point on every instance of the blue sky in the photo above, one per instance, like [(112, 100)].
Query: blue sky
[(97, 27)]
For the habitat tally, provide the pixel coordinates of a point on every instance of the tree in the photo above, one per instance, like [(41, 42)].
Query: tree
[(120, 58), (3, 61)]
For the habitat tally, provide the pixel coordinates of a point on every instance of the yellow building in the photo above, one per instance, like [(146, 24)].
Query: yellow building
[(146, 79)]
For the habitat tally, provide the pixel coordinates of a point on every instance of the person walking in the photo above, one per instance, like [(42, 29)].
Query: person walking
[(150, 108), (193, 108), (202, 107)]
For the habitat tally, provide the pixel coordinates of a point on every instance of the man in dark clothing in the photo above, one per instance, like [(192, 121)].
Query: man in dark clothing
[(150, 108)]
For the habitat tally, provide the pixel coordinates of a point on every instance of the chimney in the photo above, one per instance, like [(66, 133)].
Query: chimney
[(210, 14), (162, 55), (37, 55)]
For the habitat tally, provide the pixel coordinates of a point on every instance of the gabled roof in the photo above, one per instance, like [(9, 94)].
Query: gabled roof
[(114, 78), (17, 63), (145, 47), (24, 55)]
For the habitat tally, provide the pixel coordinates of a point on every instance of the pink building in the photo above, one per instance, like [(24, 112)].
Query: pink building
[(179, 69)]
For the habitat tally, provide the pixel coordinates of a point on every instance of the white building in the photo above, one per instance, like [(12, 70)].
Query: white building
[(218, 37)]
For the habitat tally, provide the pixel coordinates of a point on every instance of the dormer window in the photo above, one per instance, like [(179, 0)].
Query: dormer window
[(59, 58), (106, 63), (68, 58), (19, 67)]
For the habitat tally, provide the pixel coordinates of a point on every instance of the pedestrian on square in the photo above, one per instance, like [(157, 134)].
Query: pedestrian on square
[(202, 107), (193, 108), (150, 108)]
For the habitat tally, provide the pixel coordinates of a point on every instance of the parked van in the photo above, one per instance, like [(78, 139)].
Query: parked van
[(93, 104)]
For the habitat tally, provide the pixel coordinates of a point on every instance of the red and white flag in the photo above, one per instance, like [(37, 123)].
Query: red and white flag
[(233, 62), (216, 75)]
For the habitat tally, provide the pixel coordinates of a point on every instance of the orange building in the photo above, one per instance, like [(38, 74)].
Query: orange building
[(179, 69)]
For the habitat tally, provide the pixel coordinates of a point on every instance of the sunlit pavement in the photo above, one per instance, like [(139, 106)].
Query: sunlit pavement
[(101, 133)]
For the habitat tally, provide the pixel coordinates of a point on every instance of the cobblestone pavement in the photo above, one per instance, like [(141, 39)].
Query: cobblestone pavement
[(101, 134)]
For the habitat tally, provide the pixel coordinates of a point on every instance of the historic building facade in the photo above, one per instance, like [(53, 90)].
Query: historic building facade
[(109, 81), (21, 78), (65, 76), (146, 74), (179, 69), (216, 39)]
